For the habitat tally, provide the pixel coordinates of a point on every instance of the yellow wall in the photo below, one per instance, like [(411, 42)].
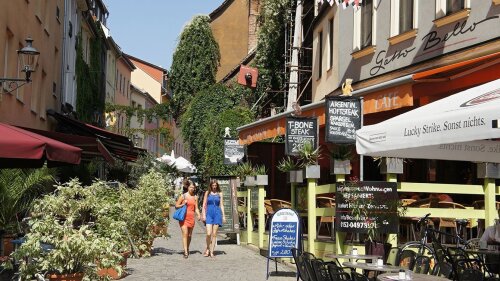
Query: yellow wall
[(18, 20)]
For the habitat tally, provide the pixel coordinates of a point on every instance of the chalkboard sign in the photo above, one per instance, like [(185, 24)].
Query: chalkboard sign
[(254, 199), (233, 151), (342, 119), (299, 131), (228, 186), (361, 206), (284, 233)]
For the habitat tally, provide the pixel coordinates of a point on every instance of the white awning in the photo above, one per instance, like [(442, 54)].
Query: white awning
[(459, 127)]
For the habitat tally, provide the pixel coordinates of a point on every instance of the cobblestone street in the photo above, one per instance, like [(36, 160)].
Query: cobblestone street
[(232, 262)]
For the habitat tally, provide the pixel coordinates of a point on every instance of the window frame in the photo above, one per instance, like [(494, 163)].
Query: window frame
[(320, 55), (358, 25), (395, 17), (441, 7)]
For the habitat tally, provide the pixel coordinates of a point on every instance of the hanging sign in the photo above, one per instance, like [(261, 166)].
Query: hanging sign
[(234, 152), (342, 119), (300, 130), (365, 205), (284, 233)]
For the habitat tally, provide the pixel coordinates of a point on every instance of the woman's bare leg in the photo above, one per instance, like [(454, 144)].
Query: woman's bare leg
[(184, 229), (190, 233), (208, 239), (215, 227)]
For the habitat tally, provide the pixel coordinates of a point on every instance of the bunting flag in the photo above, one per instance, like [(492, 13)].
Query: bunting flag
[(356, 3), (345, 3)]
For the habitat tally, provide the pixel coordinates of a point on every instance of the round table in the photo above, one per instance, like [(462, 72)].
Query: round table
[(415, 277), (373, 267), (352, 257)]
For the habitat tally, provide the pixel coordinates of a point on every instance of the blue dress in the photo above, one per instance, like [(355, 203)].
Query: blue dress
[(214, 213)]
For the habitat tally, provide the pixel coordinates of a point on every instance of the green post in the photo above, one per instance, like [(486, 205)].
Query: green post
[(249, 216), (261, 210), (392, 238), (489, 202), (340, 236), (311, 214), (292, 192)]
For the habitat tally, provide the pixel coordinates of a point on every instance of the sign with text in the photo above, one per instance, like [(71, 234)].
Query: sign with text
[(228, 187), (234, 152), (284, 233), (342, 119), (363, 205), (300, 130)]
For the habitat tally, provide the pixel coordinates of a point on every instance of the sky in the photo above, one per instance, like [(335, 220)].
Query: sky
[(149, 29)]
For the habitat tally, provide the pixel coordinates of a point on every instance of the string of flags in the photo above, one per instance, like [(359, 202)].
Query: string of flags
[(345, 3)]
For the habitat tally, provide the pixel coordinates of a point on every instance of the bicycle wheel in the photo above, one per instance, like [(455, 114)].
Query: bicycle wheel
[(421, 250)]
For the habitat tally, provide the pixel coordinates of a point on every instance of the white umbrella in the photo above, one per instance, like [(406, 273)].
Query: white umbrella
[(166, 159), (183, 165)]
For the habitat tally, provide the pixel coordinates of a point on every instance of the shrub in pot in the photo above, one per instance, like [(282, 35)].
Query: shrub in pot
[(290, 166), (340, 157), (308, 158)]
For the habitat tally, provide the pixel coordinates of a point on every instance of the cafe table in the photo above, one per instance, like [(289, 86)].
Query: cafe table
[(414, 277), (373, 266), (353, 257)]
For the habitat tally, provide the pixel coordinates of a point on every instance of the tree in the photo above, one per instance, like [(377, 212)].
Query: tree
[(212, 140), (209, 102), (194, 64)]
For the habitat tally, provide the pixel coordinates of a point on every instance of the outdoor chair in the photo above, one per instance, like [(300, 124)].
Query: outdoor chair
[(278, 204), (443, 269), (320, 270), (307, 258), (269, 211), (406, 259), (325, 202), (470, 274), (340, 276), (448, 223), (300, 264), (333, 267), (358, 277), (422, 265)]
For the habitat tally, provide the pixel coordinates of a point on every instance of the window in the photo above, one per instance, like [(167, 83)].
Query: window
[(330, 43), (364, 33), (320, 54), (405, 15), (448, 7)]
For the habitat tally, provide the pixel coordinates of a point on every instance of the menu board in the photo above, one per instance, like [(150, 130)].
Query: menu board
[(233, 152), (228, 186), (363, 205), (284, 233), (299, 131), (342, 119)]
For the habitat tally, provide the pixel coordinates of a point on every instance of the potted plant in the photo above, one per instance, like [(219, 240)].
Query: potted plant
[(62, 240), (340, 160), (291, 167), (246, 171), (308, 158), (261, 177)]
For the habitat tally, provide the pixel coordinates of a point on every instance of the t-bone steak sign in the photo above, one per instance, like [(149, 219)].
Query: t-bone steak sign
[(300, 130)]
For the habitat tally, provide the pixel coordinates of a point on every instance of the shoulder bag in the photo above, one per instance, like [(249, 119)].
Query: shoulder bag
[(180, 213)]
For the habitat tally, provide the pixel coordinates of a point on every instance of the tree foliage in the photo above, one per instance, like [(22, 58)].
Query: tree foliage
[(209, 102), (271, 49), (194, 63), (213, 160)]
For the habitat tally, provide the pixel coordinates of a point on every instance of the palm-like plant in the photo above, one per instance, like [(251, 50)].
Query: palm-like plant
[(287, 164), (18, 189), (308, 155)]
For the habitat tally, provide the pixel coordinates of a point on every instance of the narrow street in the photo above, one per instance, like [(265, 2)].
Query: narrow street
[(232, 262)]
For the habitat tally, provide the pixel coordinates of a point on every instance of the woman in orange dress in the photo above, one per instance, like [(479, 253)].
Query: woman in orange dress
[(187, 224)]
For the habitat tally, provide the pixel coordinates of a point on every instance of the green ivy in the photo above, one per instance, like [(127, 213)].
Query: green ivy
[(213, 160), (194, 63), (269, 57), (90, 79)]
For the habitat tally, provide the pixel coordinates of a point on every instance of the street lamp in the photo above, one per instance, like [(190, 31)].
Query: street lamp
[(28, 60)]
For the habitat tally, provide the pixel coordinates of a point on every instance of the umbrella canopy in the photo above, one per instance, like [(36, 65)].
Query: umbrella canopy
[(24, 149), (460, 127), (183, 165)]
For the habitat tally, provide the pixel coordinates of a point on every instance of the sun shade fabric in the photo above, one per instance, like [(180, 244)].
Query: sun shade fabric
[(18, 144), (458, 127)]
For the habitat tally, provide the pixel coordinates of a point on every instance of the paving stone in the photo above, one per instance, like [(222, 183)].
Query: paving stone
[(232, 262)]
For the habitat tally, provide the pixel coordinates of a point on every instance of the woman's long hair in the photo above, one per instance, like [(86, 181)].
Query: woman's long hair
[(217, 189)]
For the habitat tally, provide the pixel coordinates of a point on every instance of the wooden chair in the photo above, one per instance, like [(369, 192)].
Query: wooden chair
[(278, 204), (325, 202), (269, 210), (448, 223)]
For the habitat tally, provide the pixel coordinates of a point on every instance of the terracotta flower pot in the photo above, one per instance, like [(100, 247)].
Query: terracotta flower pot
[(66, 277), (8, 247), (113, 273)]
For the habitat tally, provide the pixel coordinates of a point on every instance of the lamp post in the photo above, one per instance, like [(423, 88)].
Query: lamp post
[(28, 60)]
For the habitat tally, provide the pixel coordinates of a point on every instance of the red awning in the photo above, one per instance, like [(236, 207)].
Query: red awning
[(22, 148)]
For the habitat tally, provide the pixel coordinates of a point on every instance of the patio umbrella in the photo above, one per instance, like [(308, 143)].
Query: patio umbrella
[(24, 149), (183, 165)]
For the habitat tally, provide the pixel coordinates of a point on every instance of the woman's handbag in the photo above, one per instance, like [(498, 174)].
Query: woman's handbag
[(180, 213)]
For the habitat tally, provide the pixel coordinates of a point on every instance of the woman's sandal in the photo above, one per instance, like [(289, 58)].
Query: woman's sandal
[(207, 253), (212, 255), (186, 255)]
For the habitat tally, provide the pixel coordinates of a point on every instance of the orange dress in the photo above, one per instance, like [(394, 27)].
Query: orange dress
[(191, 204)]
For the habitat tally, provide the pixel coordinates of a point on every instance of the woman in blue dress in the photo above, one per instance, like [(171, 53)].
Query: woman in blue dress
[(213, 215)]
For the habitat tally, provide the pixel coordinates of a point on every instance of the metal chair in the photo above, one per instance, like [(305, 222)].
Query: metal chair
[(406, 259), (358, 277), (320, 270), (422, 265), (299, 263), (339, 276)]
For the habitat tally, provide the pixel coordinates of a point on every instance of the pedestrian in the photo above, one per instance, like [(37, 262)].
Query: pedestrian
[(191, 200), (212, 215)]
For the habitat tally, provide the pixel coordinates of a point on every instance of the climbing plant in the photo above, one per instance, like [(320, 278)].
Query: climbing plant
[(207, 103), (90, 80), (269, 57), (158, 111), (212, 140), (194, 63)]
